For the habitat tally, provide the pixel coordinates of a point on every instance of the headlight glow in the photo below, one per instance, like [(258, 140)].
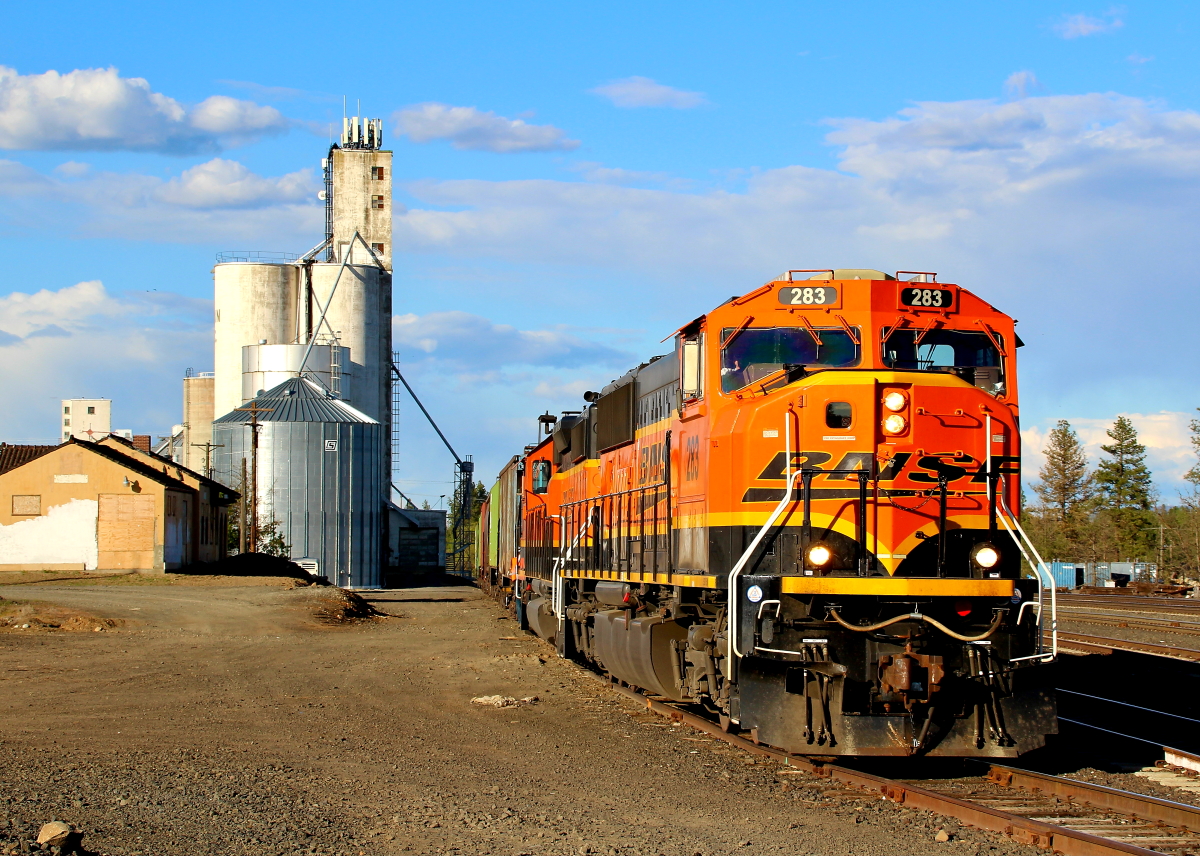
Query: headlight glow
[(819, 554), (895, 424), (986, 556), (895, 401)]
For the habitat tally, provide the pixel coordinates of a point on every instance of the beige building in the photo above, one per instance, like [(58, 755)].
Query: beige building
[(106, 506), (86, 418)]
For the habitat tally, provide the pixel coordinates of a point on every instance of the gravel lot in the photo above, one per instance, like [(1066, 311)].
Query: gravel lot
[(235, 716)]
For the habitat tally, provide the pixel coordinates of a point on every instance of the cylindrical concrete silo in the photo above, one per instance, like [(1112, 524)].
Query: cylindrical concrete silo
[(267, 366), (360, 315), (318, 477), (252, 301)]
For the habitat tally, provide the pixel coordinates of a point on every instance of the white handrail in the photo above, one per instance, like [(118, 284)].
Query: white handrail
[(558, 601), (731, 649), (1014, 529)]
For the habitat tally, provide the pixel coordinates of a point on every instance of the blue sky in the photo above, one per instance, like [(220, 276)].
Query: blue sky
[(574, 183)]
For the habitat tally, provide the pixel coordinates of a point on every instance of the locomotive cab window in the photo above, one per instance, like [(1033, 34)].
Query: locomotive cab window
[(754, 353), (541, 476), (690, 375), (970, 355), (839, 414)]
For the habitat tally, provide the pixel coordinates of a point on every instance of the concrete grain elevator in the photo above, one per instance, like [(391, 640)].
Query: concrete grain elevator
[(324, 316)]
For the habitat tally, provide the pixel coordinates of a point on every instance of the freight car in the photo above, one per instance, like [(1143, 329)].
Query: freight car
[(803, 520)]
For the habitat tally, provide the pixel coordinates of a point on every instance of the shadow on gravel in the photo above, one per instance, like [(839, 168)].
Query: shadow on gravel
[(399, 582), (378, 599)]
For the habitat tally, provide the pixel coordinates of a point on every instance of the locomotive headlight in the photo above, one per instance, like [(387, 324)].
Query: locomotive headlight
[(985, 555), (819, 555), (895, 401), (895, 424)]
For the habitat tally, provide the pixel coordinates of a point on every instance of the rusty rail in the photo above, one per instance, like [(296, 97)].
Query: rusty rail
[(1025, 830), (1106, 645)]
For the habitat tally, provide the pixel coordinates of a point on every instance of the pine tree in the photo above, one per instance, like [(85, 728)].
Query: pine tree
[(1125, 481), (1193, 475), (1126, 491), (1066, 484)]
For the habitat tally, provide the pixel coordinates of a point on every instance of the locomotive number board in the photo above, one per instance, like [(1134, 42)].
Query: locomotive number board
[(810, 296), (924, 297)]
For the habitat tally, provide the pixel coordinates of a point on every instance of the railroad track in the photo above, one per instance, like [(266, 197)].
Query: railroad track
[(1115, 611), (1111, 619), (1082, 643), (1050, 812), (1146, 603)]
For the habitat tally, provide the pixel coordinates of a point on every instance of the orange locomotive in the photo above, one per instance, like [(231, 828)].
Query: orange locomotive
[(802, 520)]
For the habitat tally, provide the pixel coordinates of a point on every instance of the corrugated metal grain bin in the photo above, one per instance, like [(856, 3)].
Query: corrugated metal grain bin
[(320, 475)]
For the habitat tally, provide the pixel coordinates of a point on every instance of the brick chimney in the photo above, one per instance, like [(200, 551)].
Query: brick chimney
[(141, 442)]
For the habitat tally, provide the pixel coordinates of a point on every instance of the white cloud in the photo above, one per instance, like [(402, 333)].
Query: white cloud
[(229, 184), (601, 174), (1138, 59), (86, 341), (73, 169), (471, 129), (22, 314), (644, 92), (1077, 26), (98, 110), (220, 200), (479, 344), (947, 180), (1020, 83)]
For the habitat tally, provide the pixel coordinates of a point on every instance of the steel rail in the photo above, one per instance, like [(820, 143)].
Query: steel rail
[(1079, 616), (1025, 830), (1134, 603), (1106, 645)]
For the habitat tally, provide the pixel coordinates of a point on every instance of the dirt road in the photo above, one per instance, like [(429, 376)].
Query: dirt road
[(226, 719)]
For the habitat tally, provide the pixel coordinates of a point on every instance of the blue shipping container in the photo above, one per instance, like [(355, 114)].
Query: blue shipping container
[(1066, 574)]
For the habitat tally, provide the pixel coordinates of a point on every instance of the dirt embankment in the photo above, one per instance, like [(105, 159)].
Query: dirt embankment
[(16, 615)]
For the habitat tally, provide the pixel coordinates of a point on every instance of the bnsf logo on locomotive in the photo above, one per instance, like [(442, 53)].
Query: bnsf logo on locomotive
[(930, 469)]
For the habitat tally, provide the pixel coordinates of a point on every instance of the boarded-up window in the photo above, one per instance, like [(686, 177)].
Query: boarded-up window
[(26, 504), (126, 522), (615, 412)]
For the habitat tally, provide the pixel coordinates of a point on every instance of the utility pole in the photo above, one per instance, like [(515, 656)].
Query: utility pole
[(242, 512), (1161, 527), (253, 410), (208, 447)]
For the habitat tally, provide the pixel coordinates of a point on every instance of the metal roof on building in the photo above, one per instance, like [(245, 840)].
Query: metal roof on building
[(297, 400)]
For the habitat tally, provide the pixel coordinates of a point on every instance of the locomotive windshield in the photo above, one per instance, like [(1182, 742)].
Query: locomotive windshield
[(753, 353), (970, 355)]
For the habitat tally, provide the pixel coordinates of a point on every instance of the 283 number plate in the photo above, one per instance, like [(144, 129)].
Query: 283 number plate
[(927, 298), (825, 296)]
